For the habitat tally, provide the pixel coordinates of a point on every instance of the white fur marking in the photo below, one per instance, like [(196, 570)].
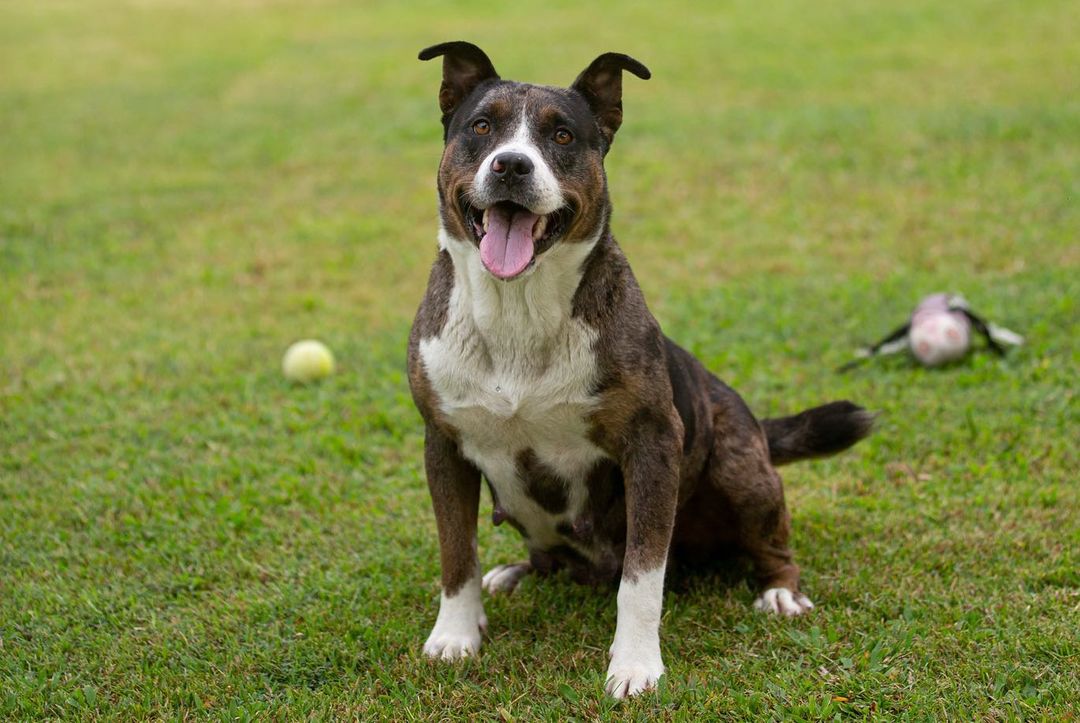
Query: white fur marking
[(781, 601), (635, 653), (457, 629), (513, 371), (545, 186)]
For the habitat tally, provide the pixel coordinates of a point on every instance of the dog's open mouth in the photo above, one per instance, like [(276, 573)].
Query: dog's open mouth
[(511, 236)]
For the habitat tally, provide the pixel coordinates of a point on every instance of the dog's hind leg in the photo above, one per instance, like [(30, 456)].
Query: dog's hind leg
[(766, 541), (753, 496)]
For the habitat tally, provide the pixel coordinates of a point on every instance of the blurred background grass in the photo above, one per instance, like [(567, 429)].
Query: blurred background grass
[(187, 187)]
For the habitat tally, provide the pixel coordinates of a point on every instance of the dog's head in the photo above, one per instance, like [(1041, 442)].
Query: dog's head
[(523, 166)]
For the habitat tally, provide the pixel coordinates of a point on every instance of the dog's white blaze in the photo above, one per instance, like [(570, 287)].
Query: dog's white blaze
[(513, 371), (545, 185), (636, 664), (457, 629)]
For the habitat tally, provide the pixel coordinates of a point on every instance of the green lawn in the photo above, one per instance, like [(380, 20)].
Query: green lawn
[(188, 187)]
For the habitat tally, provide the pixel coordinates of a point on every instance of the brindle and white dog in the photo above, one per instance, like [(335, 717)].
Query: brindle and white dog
[(537, 366)]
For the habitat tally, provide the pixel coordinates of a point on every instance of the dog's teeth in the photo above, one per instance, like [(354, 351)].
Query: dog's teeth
[(539, 228)]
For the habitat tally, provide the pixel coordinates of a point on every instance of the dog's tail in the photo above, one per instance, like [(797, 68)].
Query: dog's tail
[(817, 432)]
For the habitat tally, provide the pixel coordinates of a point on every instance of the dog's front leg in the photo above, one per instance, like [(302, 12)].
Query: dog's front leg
[(651, 473), (455, 494)]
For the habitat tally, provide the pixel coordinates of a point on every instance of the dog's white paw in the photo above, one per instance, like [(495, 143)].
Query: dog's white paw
[(505, 578), (451, 642), (781, 601), (457, 630), (627, 676), (452, 646)]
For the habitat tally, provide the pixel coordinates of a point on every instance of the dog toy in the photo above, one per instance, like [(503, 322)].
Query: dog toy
[(307, 361), (939, 331)]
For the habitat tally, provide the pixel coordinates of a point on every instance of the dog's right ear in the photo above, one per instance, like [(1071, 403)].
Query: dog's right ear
[(465, 66)]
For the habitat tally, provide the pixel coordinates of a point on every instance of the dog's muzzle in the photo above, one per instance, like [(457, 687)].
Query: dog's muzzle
[(516, 212)]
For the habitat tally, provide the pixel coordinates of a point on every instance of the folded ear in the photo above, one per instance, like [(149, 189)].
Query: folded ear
[(465, 66), (601, 84)]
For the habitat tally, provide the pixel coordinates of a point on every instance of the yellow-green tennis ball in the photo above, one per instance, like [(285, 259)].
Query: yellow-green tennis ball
[(307, 360)]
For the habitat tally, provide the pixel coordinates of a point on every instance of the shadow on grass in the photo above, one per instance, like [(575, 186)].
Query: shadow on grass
[(718, 574)]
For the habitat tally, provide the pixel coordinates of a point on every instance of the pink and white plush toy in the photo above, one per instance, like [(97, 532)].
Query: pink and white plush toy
[(939, 331)]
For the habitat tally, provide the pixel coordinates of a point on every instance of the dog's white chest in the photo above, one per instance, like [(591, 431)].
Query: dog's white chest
[(514, 373)]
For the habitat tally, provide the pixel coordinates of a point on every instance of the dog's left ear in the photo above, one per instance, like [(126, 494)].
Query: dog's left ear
[(465, 66), (601, 84)]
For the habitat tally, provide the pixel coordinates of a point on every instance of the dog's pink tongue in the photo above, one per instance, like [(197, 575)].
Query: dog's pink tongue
[(507, 246)]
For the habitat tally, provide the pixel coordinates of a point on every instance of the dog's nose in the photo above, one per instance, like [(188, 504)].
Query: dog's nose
[(517, 164)]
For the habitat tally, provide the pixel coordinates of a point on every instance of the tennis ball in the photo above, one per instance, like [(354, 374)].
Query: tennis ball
[(307, 361)]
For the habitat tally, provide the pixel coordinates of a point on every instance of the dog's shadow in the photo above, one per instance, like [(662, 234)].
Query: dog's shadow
[(549, 608), (723, 573)]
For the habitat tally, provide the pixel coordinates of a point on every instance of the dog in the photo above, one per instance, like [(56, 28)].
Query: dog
[(537, 366)]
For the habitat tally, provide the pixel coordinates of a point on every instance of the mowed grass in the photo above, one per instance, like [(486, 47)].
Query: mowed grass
[(186, 188)]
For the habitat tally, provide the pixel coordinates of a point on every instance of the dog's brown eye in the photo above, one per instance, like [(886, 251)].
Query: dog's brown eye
[(563, 137), (481, 127)]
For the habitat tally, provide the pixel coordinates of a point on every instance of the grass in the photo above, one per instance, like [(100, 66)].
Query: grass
[(186, 188)]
